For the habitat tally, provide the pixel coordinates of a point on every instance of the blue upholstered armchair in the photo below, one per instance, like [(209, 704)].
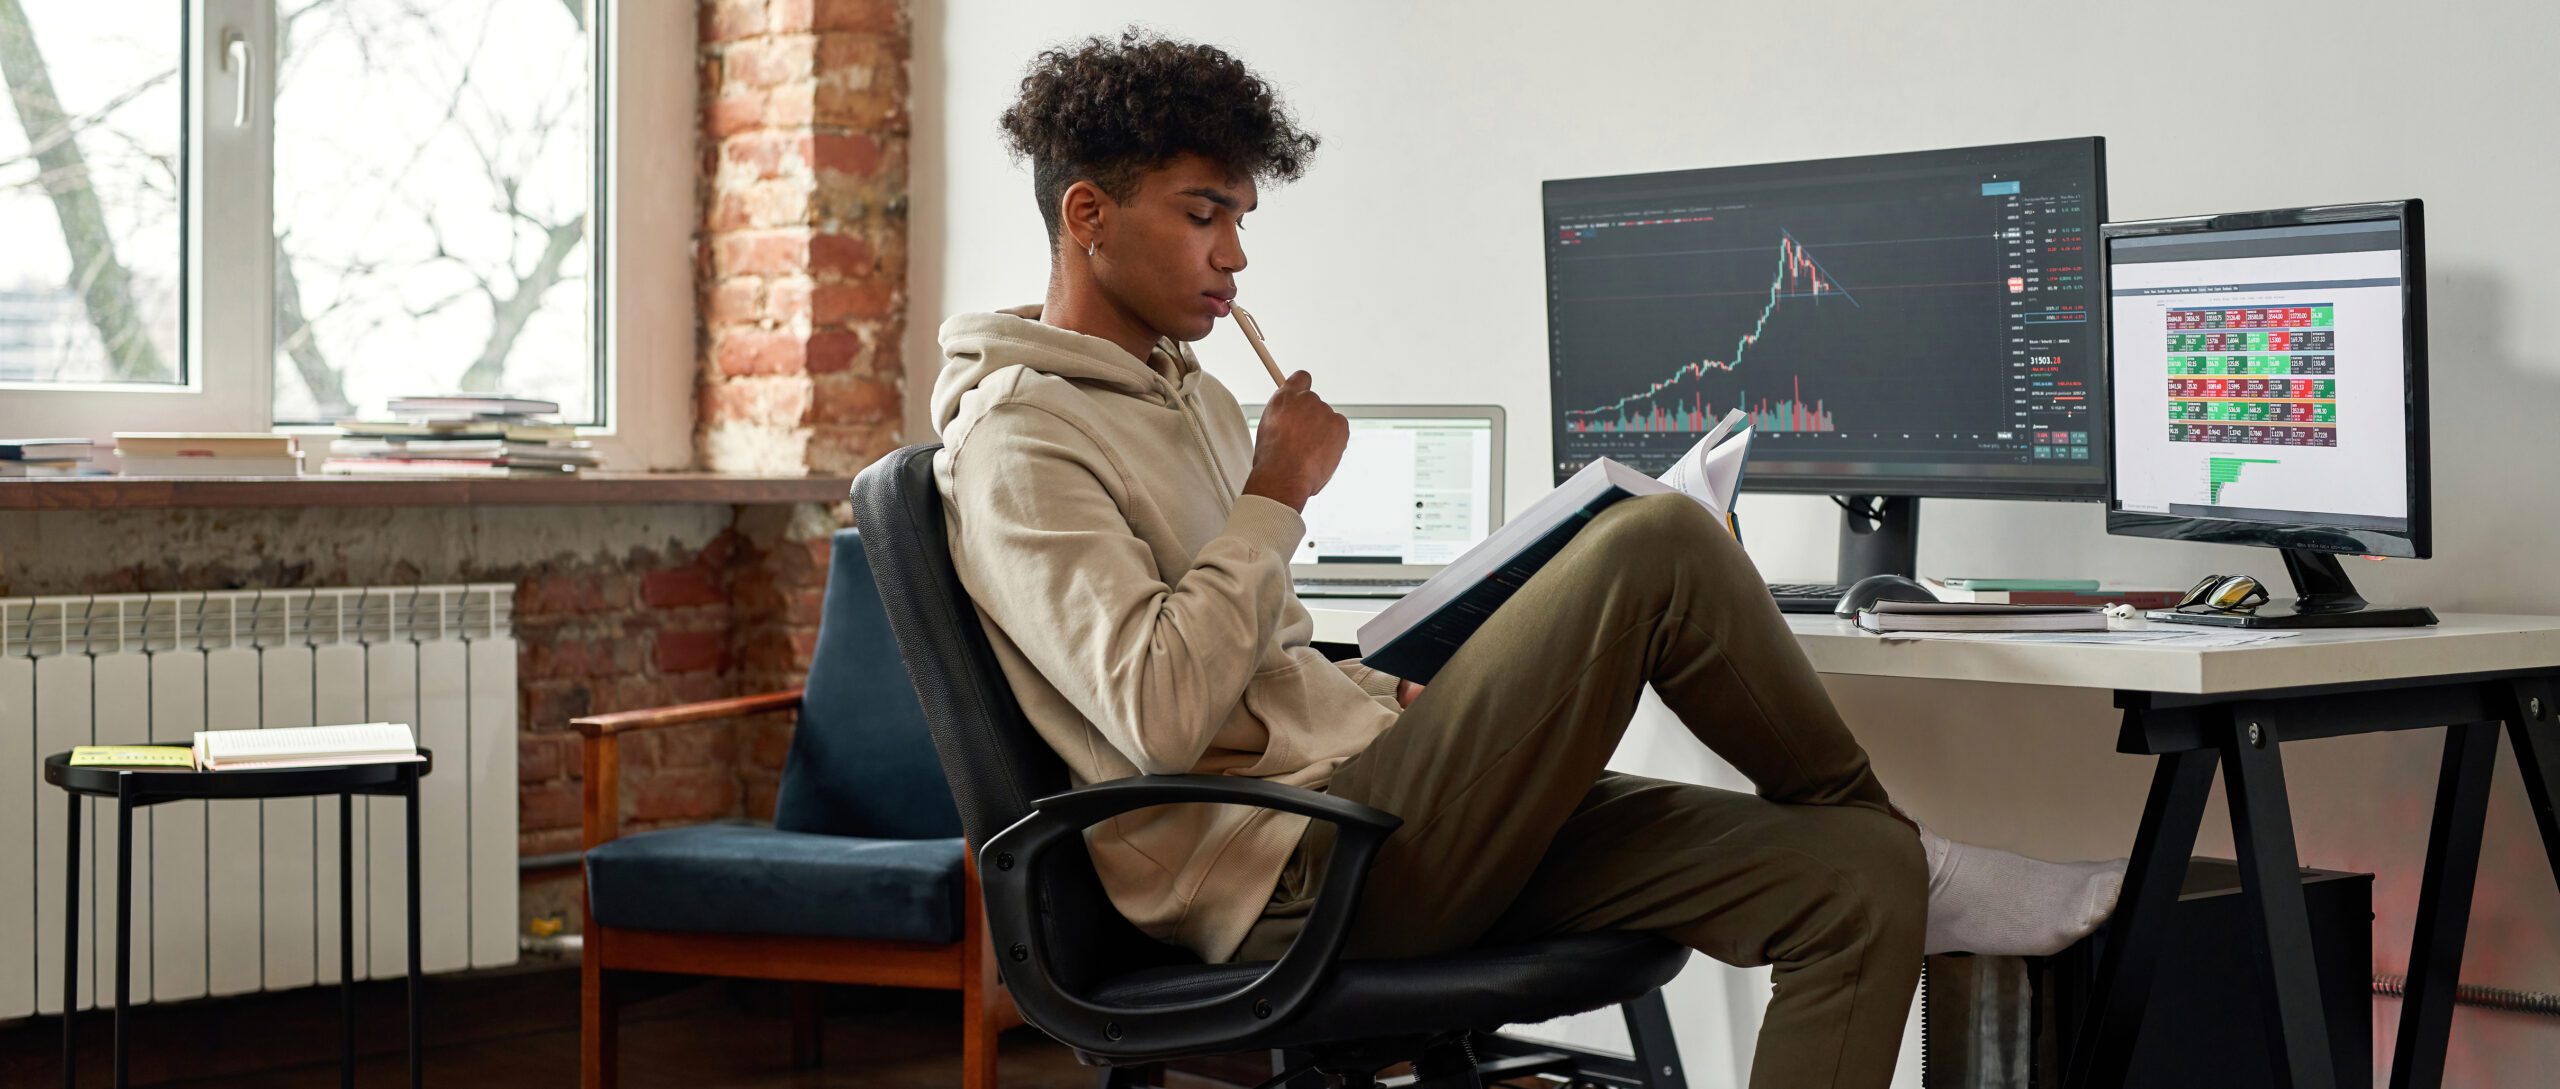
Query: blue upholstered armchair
[(863, 877)]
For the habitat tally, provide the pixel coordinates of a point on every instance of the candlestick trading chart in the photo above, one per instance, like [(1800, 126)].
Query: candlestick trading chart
[(1899, 317)]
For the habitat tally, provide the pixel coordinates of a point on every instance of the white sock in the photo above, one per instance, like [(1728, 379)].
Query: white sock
[(1992, 902)]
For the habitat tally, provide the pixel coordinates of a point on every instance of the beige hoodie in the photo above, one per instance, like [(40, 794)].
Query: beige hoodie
[(1140, 604)]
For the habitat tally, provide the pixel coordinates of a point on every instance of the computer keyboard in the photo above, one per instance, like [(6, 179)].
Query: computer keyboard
[(1356, 587), (1806, 597)]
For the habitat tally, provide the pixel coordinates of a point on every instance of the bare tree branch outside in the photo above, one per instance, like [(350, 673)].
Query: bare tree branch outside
[(94, 109), (433, 170), (433, 164)]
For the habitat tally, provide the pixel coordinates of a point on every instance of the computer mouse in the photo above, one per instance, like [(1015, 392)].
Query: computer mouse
[(1875, 588)]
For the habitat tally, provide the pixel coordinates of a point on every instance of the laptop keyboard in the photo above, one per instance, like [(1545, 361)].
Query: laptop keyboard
[(1356, 587)]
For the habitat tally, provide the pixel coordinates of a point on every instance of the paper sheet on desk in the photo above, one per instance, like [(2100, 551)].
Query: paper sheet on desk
[(2139, 637)]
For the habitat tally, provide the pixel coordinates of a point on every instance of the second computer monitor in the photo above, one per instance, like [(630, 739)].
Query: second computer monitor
[(1920, 324), (2270, 379)]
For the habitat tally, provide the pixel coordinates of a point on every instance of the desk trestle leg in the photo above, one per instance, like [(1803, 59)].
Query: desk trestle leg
[(2262, 830), (2159, 865), (2444, 905), (2535, 731)]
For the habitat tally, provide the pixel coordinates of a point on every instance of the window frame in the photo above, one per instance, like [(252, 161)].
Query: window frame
[(641, 305)]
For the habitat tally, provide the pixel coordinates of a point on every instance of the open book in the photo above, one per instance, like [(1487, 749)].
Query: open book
[(1418, 634), (305, 747)]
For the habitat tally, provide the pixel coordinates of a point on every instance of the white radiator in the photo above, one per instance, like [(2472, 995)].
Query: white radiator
[(235, 896)]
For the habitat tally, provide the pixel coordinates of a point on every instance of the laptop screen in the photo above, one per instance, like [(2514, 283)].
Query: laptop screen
[(1410, 490)]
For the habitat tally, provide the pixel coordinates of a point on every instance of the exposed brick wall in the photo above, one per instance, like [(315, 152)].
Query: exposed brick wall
[(802, 253), (779, 586)]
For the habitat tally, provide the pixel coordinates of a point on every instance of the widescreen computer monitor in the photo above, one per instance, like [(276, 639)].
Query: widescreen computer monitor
[(2269, 380), (1918, 324)]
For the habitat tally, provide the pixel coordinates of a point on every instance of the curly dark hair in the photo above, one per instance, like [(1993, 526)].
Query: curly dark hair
[(1108, 111)]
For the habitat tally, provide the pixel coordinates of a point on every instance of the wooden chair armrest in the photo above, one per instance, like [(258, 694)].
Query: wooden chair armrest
[(600, 745), (678, 714)]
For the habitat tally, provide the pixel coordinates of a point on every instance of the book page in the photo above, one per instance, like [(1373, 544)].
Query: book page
[(370, 737), (1712, 470)]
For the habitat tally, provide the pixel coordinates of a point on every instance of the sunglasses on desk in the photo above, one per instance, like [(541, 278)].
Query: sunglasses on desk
[(2223, 594)]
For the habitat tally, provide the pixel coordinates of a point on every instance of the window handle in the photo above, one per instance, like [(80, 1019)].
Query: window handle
[(237, 60)]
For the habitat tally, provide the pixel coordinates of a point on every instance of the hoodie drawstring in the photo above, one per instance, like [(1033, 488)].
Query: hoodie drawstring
[(1200, 438)]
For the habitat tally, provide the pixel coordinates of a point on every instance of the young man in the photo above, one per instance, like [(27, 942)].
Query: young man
[(1127, 545)]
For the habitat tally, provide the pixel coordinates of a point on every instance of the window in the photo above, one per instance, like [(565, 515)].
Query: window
[(90, 193), (231, 214), (433, 188)]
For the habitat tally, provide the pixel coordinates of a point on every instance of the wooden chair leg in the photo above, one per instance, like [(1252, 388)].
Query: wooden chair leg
[(808, 1031), (979, 1029), (598, 1066)]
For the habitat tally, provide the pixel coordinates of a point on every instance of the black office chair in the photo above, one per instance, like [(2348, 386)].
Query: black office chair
[(1081, 972)]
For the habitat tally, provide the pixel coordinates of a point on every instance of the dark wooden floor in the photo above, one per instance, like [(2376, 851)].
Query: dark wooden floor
[(520, 1029)]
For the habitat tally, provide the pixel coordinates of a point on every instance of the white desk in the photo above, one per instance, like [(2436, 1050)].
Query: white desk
[(2463, 643), (2200, 710)]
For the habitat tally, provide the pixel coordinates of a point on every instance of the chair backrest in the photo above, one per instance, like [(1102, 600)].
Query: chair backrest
[(997, 764), (862, 763)]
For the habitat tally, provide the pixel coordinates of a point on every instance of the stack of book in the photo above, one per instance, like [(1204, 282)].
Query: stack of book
[(207, 453), (462, 435), (43, 457)]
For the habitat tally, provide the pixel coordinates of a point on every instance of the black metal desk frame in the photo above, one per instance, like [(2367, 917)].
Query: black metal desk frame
[(2243, 732), (137, 788)]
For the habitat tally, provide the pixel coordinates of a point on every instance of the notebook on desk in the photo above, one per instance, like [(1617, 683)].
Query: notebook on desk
[(1418, 486), (1955, 616)]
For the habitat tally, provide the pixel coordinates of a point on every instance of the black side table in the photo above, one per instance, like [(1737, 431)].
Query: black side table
[(134, 788)]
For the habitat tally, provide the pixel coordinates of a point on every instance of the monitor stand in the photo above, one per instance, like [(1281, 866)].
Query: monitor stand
[(2323, 598), (1879, 535)]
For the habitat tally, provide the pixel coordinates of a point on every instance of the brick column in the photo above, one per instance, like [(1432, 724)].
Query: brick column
[(802, 256)]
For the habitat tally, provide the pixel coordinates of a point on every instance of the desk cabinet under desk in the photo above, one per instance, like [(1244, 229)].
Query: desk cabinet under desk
[(2201, 709)]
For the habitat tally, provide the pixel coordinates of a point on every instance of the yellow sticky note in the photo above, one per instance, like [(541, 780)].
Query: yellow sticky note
[(133, 756)]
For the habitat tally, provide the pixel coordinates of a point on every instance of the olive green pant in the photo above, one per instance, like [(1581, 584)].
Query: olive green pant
[(1513, 830)]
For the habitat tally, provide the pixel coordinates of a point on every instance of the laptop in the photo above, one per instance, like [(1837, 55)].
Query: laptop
[(1419, 485)]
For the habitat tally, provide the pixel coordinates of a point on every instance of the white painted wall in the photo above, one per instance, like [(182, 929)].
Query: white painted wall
[(1407, 267)]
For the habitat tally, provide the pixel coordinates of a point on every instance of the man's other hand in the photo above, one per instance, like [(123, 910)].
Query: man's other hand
[(1297, 446), (1407, 692)]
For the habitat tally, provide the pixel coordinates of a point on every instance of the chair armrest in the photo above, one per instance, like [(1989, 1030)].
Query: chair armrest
[(600, 752), (1008, 861), (678, 714)]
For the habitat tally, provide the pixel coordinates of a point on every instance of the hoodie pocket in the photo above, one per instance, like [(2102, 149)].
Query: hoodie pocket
[(1277, 700)]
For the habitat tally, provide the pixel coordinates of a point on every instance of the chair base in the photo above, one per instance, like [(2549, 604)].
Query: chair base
[(1466, 1060)]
